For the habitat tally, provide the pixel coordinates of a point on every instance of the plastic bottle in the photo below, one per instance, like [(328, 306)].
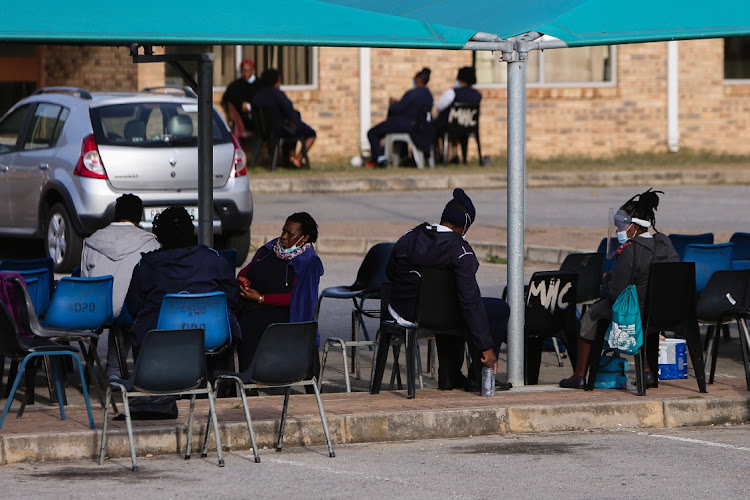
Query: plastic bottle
[(488, 382)]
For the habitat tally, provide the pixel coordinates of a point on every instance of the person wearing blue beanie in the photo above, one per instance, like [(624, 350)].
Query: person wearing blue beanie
[(443, 246)]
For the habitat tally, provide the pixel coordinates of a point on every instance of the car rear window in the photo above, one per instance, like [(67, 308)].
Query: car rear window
[(152, 124)]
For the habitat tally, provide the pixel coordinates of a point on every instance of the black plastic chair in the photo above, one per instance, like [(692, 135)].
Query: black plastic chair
[(26, 352), (284, 358), (741, 257), (681, 241), (370, 278), (463, 124), (670, 307), (170, 362), (550, 312), (266, 129), (588, 266), (437, 314), (725, 299)]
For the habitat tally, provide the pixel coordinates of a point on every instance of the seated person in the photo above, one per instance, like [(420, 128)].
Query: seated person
[(404, 116), (442, 245), (463, 91), (280, 284), (179, 265), (637, 251), (115, 250), (287, 119), (240, 93)]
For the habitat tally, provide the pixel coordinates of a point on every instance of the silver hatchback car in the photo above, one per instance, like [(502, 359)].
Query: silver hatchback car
[(67, 154)]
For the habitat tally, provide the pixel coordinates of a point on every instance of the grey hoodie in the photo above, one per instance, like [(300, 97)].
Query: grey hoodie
[(115, 250)]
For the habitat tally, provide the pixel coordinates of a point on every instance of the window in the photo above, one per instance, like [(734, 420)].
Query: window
[(570, 66), (737, 58), (298, 65), (43, 127), (11, 127)]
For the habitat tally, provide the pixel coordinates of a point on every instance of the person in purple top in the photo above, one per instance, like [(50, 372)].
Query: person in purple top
[(409, 114)]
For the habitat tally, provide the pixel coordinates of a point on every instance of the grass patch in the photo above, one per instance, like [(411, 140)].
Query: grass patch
[(624, 160), (494, 259)]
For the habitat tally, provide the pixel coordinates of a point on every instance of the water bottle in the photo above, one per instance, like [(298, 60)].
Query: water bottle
[(488, 382)]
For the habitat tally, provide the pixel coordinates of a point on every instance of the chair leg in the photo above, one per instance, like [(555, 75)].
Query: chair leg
[(12, 372), (245, 406), (122, 355), (47, 362), (129, 425), (744, 342), (280, 442), (326, 347), (191, 417), (714, 352), (418, 355), (693, 340), (432, 357), (479, 149), (323, 420), (275, 155), (215, 423), (30, 384), (13, 389), (411, 351), (596, 354), (52, 363), (103, 445), (557, 352), (381, 357), (727, 335), (640, 371)]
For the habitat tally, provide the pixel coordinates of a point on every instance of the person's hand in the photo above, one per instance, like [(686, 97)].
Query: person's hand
[(250, 294), (244, 283), (246, 106), (489, 359)]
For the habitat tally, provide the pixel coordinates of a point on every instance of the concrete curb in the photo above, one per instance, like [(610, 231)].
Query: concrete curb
[(385, 427), (343, 245), (494, 180)]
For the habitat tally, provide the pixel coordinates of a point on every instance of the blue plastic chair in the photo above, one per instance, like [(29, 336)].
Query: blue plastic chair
[(231, 255), (741, 246), (708, 259), (607, 264), (29, 264), (81, 304), (681, 241), (184, 311), (39, 292)]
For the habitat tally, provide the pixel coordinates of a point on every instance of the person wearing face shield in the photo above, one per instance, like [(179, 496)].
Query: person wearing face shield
[(639, 246), (280, 284), (240, 93), (443, 246)]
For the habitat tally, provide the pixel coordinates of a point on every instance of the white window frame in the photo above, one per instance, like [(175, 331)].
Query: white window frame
[(543, 84), (308, 86)]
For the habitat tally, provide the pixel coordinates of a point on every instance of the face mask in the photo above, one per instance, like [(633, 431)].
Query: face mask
[(251, 79), (456, 84), (622, 236), (413, 85), (293, 247)]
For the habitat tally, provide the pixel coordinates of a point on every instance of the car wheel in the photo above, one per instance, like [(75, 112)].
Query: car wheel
[(240, 242), (62, 242)]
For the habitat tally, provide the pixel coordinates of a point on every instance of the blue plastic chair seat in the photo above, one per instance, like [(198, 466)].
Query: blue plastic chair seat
[(340, 292), (680, 242), (207, 311), (708, 259), (81, 304)]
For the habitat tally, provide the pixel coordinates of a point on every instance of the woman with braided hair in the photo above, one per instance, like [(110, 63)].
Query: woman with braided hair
[(638, 249)]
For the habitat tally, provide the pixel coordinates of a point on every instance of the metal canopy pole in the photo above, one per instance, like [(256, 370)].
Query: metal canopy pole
[(516, 193), (205, 88)]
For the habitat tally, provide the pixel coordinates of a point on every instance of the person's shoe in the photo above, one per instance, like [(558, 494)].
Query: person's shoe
[(381, 162), (573, 382)]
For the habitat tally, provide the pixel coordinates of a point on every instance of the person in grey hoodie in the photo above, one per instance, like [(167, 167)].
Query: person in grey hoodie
[(115, 250), (638, 249)]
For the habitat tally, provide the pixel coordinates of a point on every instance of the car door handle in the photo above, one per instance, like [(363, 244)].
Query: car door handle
[(43, 166)]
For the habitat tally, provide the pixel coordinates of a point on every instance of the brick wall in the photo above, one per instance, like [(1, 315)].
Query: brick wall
[(92, 68)]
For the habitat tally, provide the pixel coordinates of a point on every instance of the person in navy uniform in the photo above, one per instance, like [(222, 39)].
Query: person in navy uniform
[(462, 91), (409, 114), (287, 119), (443, 246)]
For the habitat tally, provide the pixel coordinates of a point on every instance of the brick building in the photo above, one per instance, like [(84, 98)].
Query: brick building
[(589, 101)]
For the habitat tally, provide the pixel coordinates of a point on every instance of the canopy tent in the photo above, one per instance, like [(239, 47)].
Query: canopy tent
[(446, 24)]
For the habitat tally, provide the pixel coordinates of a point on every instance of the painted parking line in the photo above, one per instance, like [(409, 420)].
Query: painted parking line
[(700, 442)]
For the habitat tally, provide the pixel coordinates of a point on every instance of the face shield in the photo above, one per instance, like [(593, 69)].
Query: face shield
[(618, 220)]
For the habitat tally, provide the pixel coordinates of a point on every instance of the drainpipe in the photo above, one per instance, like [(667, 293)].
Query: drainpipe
[(673, 97), (364, 100)]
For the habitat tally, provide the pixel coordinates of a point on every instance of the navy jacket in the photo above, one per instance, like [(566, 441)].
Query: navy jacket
[(197, 269), (423, 247), (281, 108)]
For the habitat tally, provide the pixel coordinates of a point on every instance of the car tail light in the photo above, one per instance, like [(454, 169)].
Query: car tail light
[(239, 162), (90, 163)]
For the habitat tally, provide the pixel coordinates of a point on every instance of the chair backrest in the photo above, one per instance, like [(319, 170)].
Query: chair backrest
[(371, 274), (589, 269), (231, 255), (741, 246), (438, 301), (180, 125), (284, 353), (10, 336), (81, 303), (550, 303), (264, 122), (206, 311), (681, 241), (32, 264), (708, 259), (607, 263), (170, 361), (37, 285), (463, 119), (727, 293), (238, 126), (670, 299), (29, 320), (135, 131)]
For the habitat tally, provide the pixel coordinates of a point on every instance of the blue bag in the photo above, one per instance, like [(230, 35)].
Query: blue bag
[(625, 332), (613, 373)]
